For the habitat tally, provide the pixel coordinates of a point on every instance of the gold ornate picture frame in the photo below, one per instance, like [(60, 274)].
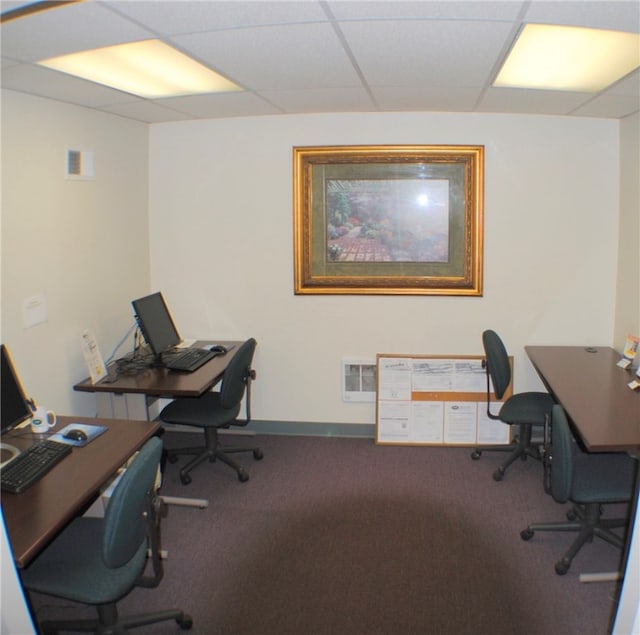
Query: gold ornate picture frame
[(404, 220)]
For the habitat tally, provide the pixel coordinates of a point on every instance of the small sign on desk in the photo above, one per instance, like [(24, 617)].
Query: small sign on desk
[(93, 357)]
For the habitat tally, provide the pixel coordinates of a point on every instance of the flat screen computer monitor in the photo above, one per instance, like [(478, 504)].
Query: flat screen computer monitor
[(14, 404), (155, 322)]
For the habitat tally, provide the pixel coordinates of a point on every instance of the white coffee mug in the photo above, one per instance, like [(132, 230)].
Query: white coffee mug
[(42, 420)]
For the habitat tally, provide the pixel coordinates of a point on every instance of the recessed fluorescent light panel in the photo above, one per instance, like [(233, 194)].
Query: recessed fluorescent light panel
[(550, 57), (149, 69)]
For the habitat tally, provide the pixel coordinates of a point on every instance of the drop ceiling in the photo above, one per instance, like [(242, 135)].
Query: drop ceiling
[(316, 57)]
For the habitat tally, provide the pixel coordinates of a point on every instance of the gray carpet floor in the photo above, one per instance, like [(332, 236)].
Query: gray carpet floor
[(337, 536)]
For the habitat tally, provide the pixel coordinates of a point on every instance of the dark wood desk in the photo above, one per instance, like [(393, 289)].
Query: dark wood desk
[(36, 516), (594, 393), (129, 396), (604, 411)]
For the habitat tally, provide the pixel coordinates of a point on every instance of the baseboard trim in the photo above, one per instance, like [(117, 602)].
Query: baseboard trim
[(313, 429), (294, 428)]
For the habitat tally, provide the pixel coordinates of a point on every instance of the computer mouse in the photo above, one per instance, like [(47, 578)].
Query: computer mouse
[(218, 348), (76, 435)]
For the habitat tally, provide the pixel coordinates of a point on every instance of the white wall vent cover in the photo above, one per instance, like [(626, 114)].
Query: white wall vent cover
[(80, 165), (358, 380)]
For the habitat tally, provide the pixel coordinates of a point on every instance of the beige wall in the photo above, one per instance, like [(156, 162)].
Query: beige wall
[(552, 249), (225, 188), (84, 245), (628, 321), (551, 244), (628, 293)]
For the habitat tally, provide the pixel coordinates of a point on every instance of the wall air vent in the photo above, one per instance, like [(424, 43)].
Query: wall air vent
[(358, 380), (79, 165)]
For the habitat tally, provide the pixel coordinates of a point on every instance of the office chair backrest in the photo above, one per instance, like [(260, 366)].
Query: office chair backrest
[(125, 522), (497, 361), (562, 456), (236, 375)]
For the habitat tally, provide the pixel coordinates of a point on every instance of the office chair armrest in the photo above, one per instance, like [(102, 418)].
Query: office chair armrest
[(155, 509), (490, 414), (251, 375), (545, 453)]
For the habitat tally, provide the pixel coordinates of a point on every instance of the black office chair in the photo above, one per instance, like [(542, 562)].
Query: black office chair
[(590, 481), (526, 409), (98, 561), (215, 410)]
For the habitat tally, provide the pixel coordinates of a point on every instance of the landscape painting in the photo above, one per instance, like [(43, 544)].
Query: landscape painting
[(388, 220)]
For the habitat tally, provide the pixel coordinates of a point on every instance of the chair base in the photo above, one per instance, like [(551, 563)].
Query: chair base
[(521, 448), (586, 519), (109, 623), (212, 452)]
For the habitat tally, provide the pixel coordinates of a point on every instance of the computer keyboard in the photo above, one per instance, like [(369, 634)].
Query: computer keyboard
[(189, 359), (31, 465)]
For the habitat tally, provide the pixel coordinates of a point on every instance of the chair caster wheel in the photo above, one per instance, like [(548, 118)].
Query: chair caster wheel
[(498, 475), (185, 623), (476, 454), (526, 534), (571, 514), (562, 566), (172, 458), (185, 479), (243, 477), (258, 455)]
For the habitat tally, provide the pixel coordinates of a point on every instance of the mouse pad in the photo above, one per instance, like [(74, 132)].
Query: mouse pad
[(92, 431)]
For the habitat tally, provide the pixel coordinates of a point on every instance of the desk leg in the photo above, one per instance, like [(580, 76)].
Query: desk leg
[(607, 576), (186, 502), (122, 406), (136, 406)]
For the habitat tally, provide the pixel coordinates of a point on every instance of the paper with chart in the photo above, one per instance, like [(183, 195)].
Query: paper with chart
[(435, 400)]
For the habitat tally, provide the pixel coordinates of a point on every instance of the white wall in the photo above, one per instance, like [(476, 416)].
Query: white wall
[(82, 244), (221, 200), (628, 321), (14, 615), (628, 292)]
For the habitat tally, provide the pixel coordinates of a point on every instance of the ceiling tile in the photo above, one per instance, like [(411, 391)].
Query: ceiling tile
[(421, 97), (147, 111), (543, 102), (222, 105), (37, 80), (321, 100), (275, 58), (174, 17), (316, 56), (609, 105), (444, 9), (436, 53), (75, 27), (606, 14), (628, 86)]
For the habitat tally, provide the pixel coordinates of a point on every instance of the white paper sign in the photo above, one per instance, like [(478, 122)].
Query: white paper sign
[(92, 356)]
